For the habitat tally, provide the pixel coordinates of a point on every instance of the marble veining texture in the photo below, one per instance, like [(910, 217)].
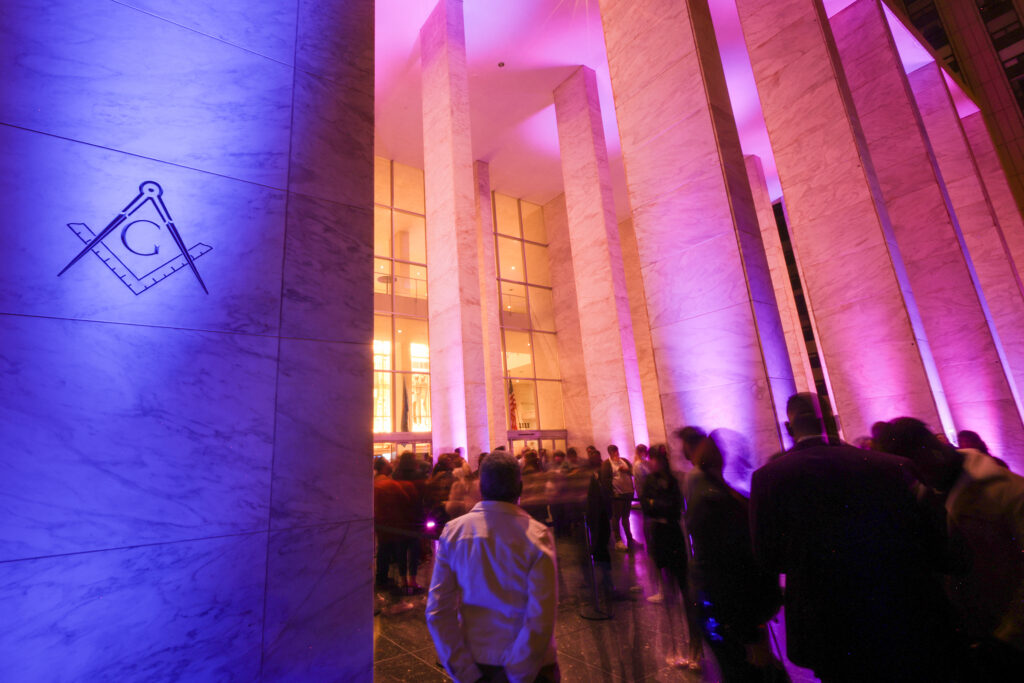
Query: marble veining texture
[(185, 611), (779, 272), (458, 396), (131, 81), (609, 353), (331, 148), (125, 435), (335, 40), (321, 440), (832, 210), (928, 240), (575, 396), (698, 241), (267, 28), (328, 261), (490, 305), (318, 624), (656, 432), (244, 223)]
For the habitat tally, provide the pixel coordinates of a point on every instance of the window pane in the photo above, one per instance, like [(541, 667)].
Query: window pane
[(381, 342), (513, 305), (385, 449), (549, 396), (408, 188), (410, 290), (381, 181), (559, 445), (410, 237), (537, 265), (382, 231), (518, 358), (510, 259), (522, 405), (506, 215), (412, 354), (412, 402), (533, 222), (382, 402), (381, 285), (545, 351), (542, 309)]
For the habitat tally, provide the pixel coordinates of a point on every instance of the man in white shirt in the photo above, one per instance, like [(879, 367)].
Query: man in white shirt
[(491, 608)]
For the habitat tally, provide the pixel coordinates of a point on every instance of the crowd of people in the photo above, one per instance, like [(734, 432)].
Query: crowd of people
[(901, 558)]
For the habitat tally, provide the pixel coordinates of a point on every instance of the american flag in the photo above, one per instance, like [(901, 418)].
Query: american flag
[(513, 412)]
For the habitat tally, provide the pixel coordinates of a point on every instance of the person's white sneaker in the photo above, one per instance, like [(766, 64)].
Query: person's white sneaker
[(657, 598)]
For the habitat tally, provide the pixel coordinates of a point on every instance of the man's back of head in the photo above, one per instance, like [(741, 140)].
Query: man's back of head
[(803, 415), (500, 478)]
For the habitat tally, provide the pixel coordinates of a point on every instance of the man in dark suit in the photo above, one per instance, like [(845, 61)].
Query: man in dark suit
[(859, 554)]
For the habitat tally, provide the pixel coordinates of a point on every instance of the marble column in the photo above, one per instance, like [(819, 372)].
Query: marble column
[(182, 470), (490, 309), (609, 353), (803, 378), (718, 341), (1003, 203), (982, 234), (575, 396), (838, 224), (458, 386), (656, 431), (926, 229)]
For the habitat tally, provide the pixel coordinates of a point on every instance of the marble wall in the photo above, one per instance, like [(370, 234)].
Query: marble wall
[(185, 489)]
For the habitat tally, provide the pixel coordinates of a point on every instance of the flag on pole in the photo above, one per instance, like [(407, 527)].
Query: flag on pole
[(513, 412)]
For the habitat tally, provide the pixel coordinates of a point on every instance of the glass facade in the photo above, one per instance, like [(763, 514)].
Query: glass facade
[(401, 345), (533, 387)]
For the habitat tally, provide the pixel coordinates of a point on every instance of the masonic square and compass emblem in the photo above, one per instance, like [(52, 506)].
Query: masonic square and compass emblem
[(147, 248)]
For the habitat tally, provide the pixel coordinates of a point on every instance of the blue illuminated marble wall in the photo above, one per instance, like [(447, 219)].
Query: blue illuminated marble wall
[(184, 477)]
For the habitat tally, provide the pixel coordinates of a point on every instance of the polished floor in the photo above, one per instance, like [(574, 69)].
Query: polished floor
[(631, 646)]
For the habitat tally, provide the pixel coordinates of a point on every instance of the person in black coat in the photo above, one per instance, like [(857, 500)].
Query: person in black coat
[(860, 555)]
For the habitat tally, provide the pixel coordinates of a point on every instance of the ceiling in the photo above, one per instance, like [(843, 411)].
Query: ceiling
[(540, 43)]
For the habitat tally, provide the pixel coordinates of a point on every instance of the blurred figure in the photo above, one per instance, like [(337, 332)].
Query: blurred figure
[(662, 503), (858, 552), (985, 505), (492, 603), (735, 595), (534, 498), (410, 476), (617, 482), (641, 470), (598, 517), (438, 489), (465, 491), (968, 439), (691, 437), (389, 499)]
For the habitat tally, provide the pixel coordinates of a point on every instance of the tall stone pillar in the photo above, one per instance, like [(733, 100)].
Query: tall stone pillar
[(779, 271), (926, 229), (982, 234), (1003, 203), (718, 342), (609, 353), (656, 432), (458, 385), (575, 396), (490, 308), (185, 452), (838, 224)]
